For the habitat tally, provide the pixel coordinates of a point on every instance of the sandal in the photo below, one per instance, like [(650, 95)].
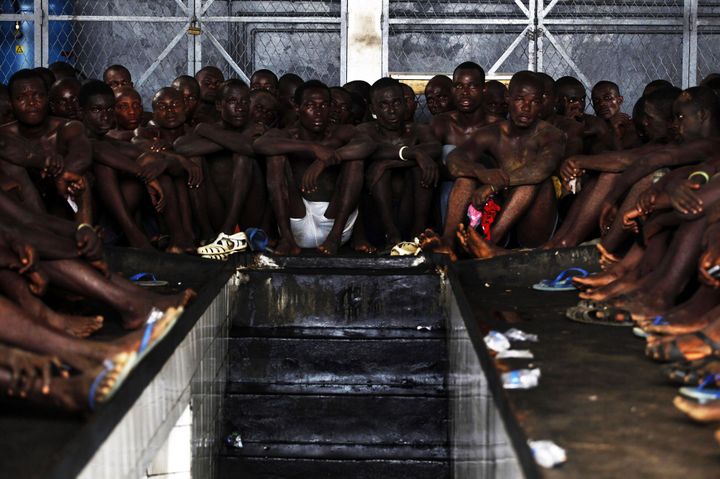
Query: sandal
[(691, 372), (604, 315), (703, 393), (258, 239), (406, 248), (562, 282), (147, 279), (224, 245)]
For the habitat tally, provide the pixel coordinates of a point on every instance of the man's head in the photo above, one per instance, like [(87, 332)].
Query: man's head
[(697, 113), (6, 113), (287, 85), (359, 108), (168, 108), (47, 75), (494, 99), (128, 108), (571, 96), (97, 102), (28, 97), (525, 99), (264, 80), (468, 82), (209, 79), (341, 106), (387, 103), (655, 85), (233, 103), (62, 70), (549, 98), (411, 102), (190, 90), (606, 99), (312, 100), (264, 108), (117, 77), (438, 94), (64, 100), (359, 89), (656, 114)]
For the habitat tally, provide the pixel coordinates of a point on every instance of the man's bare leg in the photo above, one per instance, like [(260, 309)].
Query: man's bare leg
[(16, 288), (180, 239), (422, 202), (458, 203), (30, 195), (345, 200), (617, 233), (286, 202), (247, 193), (382, 195)]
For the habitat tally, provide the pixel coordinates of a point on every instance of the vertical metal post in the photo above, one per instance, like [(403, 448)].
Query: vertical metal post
[(693, 53), (191, 42), (40, 33), (539, 31), (197, 39), (343, 41), (385, 18), (532, 36)]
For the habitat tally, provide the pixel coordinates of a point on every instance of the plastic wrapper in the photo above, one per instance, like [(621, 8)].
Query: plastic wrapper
[(547, 453), (497, 341), (515, 334), (521, 379), (515, 354)]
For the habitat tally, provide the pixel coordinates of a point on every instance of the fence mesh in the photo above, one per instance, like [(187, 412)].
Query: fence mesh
[(708, 43), (16, 45)]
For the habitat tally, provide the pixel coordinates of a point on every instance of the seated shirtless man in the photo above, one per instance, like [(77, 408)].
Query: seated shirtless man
[(527, 150), (287, 84), (64, 99), (36, 140), (411, 102), (118, 77), (264, 80), (235, 185), (405, 149), (606, 101), (438, 95), (315, 175), (494, 102)]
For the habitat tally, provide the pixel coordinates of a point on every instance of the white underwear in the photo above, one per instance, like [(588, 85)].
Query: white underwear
[(312, 230)]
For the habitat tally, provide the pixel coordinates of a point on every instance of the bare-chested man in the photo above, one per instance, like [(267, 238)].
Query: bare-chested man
[(37, 142), (405, 149), (118, 77), (233, 171), (287, 85), (411, 102), (128, 114), (315, 175), (264, 109), (494, 102), (606, 101), (341, 106), (6, 113), (64, 101), (527, 150), (438, 95), (264, 80), (209, 78)]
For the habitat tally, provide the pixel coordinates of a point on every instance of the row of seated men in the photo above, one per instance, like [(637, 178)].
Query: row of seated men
[(316, 167)]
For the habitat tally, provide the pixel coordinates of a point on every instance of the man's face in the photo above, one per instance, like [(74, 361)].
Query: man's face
[(169, 110), (606, 101), (99, 114), (495, 103), (190, 97), (341, 108), (263, 81), (655, 127), (65, 104), (411, 103), (390, 108), (118, 79), (438, 98), (467, 90), (525, 105), (688, 120), (128, 110), (29, 101), (314, 110), (263, 109), (549, 102), (209, 83), (571, 102), (235, 106)]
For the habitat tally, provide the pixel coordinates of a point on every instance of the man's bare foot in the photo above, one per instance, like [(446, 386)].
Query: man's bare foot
[(287, 248), (679, 320), (623, 285), (687, 347), (362, 246), (134, 320), (600, 279), (77, 326), (476, 245), (708, 412), (159, 323), (330, 247), (431, 242)]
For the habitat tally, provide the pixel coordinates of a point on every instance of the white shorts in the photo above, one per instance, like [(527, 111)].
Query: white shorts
[(312, 230), (446, 150)]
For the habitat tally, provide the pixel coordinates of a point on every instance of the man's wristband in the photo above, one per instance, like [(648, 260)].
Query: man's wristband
[(85, 225), (400, 153)]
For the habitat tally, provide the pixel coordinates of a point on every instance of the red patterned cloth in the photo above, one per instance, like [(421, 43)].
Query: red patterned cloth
[(485, 217)]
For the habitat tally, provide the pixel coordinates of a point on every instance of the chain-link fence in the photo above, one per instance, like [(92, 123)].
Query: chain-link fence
[(708, 38), (17, 34)]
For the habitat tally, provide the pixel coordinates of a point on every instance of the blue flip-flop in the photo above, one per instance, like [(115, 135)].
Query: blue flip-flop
[(703, 393), (108, 366), (147, 279), (258, 239), (562, 282), (146, 344)]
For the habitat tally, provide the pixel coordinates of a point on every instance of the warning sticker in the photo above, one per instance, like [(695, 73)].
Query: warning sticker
[(19, 50)]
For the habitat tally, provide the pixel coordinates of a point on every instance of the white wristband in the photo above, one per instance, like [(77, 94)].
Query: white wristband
[(400, 154)]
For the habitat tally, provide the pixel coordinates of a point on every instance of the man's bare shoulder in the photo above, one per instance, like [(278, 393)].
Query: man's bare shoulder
[(11, 128), (571, 127), (550, 131)]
